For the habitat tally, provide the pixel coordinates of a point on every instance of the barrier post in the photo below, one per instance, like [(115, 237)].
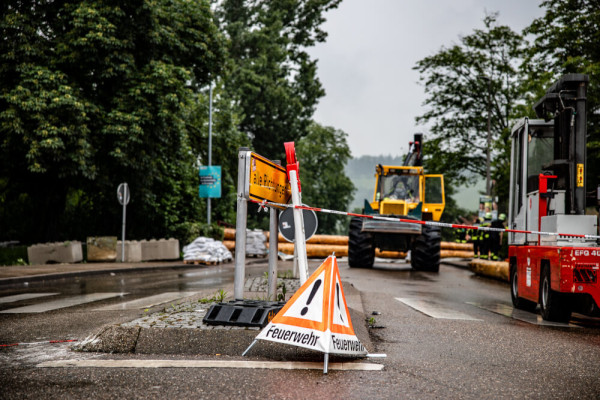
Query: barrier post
[(240, 228), (296, 273), (273, 250), (300, 238)]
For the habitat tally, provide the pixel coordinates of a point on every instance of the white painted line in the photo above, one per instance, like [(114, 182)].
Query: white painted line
[(435, 310), (24, 296), (62, 303), (146, 302), (521, 315), (376, 355), (347, 366)]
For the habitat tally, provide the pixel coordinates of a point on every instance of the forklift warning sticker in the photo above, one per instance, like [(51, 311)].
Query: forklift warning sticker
[(317, 316)]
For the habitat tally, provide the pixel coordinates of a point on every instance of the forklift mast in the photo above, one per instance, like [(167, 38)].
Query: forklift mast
[(565, 102), (548, 163)]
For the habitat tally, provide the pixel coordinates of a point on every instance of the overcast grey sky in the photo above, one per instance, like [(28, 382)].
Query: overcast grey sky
[(366, 63)]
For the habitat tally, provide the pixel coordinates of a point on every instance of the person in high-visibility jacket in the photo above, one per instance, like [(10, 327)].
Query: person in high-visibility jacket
[(496, 237), (461, 235), (473, 237), (485, 238)]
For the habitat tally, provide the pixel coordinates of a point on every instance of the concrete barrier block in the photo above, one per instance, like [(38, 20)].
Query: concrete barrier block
[(133, 251), (163, 249), (102, 248), (58, 252)]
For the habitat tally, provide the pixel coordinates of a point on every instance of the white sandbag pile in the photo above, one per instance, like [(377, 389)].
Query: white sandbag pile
[(206, 250), (256, 242)]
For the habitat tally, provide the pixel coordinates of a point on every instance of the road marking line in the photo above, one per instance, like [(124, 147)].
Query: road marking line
[(347, 366), (147, 302), (24, 296), (521, 315), (435, 310), (62, 303)]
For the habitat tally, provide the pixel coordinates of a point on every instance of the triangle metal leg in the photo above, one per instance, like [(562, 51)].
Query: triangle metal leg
[(325, 362), (249, 347)]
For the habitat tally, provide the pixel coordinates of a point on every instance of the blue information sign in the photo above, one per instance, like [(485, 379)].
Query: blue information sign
[(210, 181)]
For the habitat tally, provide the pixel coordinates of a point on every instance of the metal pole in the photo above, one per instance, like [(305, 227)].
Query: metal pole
[(209, 146), (125, 190), (581, 144), (240, 228), (273, 251), (249, 347), (488, 189), (299, 236), (295, 268)]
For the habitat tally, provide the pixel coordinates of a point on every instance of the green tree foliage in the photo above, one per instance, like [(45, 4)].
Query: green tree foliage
[(93, 93), (566, 40), (271, 76), (323, 155), (462, 83)]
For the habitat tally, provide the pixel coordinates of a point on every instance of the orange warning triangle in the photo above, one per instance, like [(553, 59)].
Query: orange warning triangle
[(317, 317)]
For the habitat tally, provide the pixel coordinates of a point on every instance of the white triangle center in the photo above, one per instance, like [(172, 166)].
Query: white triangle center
[(309, 304)]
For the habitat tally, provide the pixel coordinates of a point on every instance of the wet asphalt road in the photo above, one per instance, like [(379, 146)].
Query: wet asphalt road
[(482, 354)]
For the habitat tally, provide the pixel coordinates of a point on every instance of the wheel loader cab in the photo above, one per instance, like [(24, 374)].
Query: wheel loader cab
[(400, 190)]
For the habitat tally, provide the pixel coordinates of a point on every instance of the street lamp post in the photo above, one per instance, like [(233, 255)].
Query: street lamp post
[(208, 211), (488, 180)]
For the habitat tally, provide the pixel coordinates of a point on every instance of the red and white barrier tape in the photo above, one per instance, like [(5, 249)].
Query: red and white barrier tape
[(34, 343), (265, 203)]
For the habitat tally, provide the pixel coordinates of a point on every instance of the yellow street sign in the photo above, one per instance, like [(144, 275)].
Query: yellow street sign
[(266, 180)]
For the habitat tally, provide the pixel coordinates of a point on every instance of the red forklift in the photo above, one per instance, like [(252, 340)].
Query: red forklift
[(554, 251)]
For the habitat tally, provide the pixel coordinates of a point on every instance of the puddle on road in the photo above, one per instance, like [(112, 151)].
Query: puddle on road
[(520, 315), (29, 355)]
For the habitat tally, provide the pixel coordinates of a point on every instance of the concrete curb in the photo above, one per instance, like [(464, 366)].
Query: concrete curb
[(191, 336), (225, 341), (84, 272)]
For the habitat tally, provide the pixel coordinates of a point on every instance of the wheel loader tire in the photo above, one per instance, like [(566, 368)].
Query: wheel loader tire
[(361, 248), (425, 254)]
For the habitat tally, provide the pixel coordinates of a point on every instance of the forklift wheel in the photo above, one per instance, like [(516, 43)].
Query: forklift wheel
[(554, 306), (518, 302)]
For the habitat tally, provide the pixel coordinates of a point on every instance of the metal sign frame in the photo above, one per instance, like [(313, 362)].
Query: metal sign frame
[(260, 179), (123, 195), (266, 179)]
